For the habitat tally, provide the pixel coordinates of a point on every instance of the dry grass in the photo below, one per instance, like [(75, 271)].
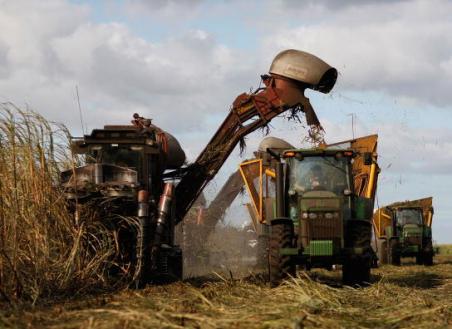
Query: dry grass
[(445, 249), (400, 297), (42, 252)]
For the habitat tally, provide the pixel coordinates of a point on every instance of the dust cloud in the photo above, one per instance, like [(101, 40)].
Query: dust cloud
[(226, 250)]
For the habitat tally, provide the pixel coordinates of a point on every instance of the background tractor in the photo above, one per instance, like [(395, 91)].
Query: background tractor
[(404, 229)]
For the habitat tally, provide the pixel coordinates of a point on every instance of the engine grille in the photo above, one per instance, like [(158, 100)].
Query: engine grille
[(413, 240), (326, 229)]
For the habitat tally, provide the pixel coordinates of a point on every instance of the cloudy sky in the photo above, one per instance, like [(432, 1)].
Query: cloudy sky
[(183, 62)]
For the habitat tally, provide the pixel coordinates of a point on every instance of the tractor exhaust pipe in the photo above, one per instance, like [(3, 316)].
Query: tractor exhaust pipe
[(142, 237), (280, 197), (164, 211)]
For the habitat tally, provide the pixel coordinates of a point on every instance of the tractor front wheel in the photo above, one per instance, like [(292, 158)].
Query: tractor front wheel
[(356, 271), (427, 254), (280, 264), (356, 267), (419, 259), (428, 259)]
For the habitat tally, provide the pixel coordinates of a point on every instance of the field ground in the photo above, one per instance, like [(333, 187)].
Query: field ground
[(399, 297), (445, 249)]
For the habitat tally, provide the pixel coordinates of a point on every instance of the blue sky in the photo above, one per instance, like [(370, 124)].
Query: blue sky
[(183, 63)]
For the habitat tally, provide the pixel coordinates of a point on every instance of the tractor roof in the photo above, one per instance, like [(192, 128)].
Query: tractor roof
[(318, 152)]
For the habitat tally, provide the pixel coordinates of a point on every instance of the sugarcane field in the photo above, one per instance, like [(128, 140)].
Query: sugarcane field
[(225, 164)]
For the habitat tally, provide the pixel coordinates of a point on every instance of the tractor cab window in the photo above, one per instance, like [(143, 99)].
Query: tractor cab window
[(322, 173), (409, 216)]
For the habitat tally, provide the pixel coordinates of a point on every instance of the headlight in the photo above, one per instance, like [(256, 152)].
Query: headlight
[(328, 215), (304, 215), (312, 215)]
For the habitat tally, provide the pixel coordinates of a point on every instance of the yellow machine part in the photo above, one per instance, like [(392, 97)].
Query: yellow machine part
[(365, 176), (257, 177), (381, 219), (250, 170)]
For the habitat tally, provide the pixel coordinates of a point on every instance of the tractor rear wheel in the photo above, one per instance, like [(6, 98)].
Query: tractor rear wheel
[(393, 252), (281, 237)]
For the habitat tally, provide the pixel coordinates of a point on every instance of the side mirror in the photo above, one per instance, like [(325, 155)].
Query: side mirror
[(367, 158)]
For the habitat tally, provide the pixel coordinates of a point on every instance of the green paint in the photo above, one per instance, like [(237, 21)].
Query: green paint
[(412, 231), (288, 251), (320, 248), (411, 249), (363, 208), (320, 204)]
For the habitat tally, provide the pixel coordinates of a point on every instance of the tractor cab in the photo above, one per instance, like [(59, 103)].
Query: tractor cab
[(328, 171), (129, 156), (120, 160), (408, 225), (320, 183)]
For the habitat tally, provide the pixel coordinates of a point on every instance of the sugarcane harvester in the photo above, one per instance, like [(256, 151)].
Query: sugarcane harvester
[(313, 207), (137, 170)]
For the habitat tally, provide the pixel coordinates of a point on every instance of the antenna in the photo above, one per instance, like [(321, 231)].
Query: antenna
[(80, 110), (353, 124)]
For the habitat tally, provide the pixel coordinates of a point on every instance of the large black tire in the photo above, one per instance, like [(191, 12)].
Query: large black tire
[(169, 266), (428, 259), (262, 251), (281, 236), (356, 268), (427, 254), (175, 266), (419, 259), (356, 272), (394, 252), (383, 251)]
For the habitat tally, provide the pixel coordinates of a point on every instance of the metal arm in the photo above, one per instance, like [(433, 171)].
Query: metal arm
[(249, 112)]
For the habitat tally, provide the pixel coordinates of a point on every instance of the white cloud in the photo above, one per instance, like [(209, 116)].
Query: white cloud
[(401, 48), (172, 13), (51, 48)]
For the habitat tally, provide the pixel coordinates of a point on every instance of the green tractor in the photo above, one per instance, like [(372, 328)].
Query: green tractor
[(316, 205), (404, 230)]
